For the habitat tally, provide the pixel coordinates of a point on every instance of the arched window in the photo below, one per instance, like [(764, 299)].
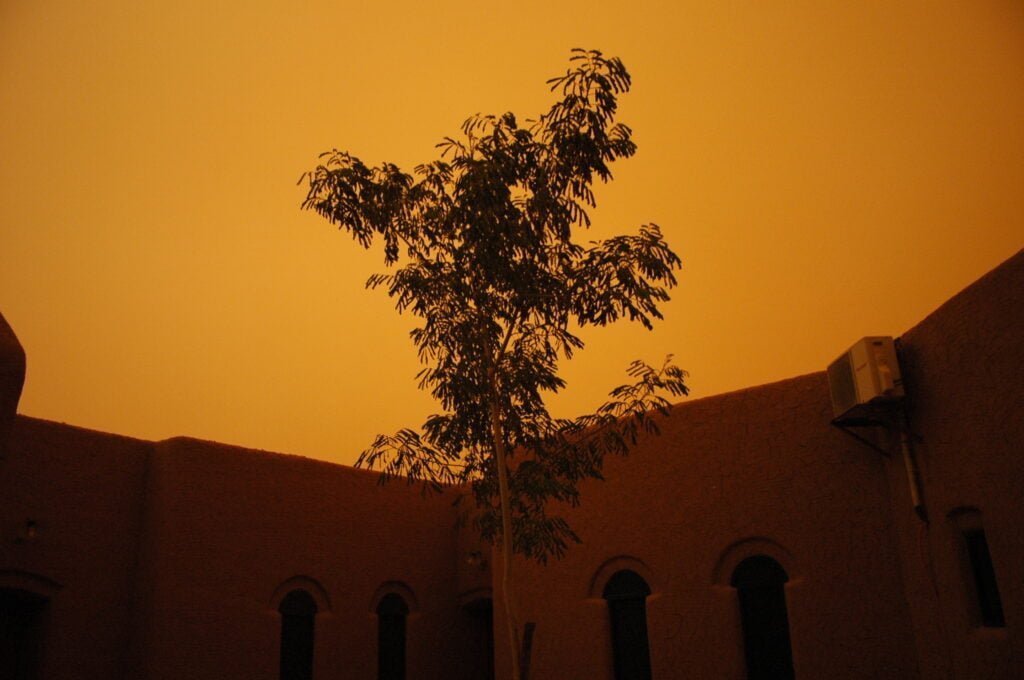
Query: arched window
[(391, 613), (626, 593), (759, 583), (21, 630), (298, 614), (476, 618)]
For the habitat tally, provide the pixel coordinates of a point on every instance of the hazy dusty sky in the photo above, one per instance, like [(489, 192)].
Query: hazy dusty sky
[(825, 170)]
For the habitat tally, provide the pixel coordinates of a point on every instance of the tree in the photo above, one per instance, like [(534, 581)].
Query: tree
[(480, 247)]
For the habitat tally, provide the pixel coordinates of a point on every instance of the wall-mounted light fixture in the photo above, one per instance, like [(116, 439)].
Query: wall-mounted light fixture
[(27, 532), (476, 559)]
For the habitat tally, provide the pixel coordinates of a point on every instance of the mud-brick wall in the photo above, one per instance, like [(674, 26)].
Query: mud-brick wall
[(230, 530), (760, 471), (964, 371), (169, 559), (70, 512)]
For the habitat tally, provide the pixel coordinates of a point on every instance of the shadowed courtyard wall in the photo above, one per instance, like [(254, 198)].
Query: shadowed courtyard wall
[(82, 492), (164, 560), (758, 471), (873, 591), (227, 527), (170, 559), (964, 368)]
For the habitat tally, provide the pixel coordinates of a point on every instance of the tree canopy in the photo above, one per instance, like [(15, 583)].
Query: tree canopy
[(479, 246)]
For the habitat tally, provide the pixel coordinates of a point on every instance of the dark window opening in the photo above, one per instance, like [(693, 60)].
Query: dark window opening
[(626, 593), (21, 633), (478, 619), (391, 613), (985, 586), (298, 616), (759, 583)]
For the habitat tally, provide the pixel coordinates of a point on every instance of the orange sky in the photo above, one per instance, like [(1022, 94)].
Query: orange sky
[(825, 170)]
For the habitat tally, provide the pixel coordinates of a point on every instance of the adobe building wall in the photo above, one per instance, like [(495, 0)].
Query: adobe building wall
[(759, 471), (71, 514), (964, 371), (874, 591), (230, 531), (169, 559)]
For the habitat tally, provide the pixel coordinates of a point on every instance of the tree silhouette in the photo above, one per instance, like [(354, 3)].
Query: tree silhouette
[(479, 245)]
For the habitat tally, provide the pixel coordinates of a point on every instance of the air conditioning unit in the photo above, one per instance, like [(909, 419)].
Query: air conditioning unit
[(864, 377)]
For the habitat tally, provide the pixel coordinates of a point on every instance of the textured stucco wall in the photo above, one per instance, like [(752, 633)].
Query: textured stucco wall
[(83, 491), (964, 369), (759, 471), (228, 526), (167, 560), (873, 591)]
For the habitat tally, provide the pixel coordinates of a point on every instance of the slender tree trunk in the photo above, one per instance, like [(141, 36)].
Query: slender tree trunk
[(508, 598)]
